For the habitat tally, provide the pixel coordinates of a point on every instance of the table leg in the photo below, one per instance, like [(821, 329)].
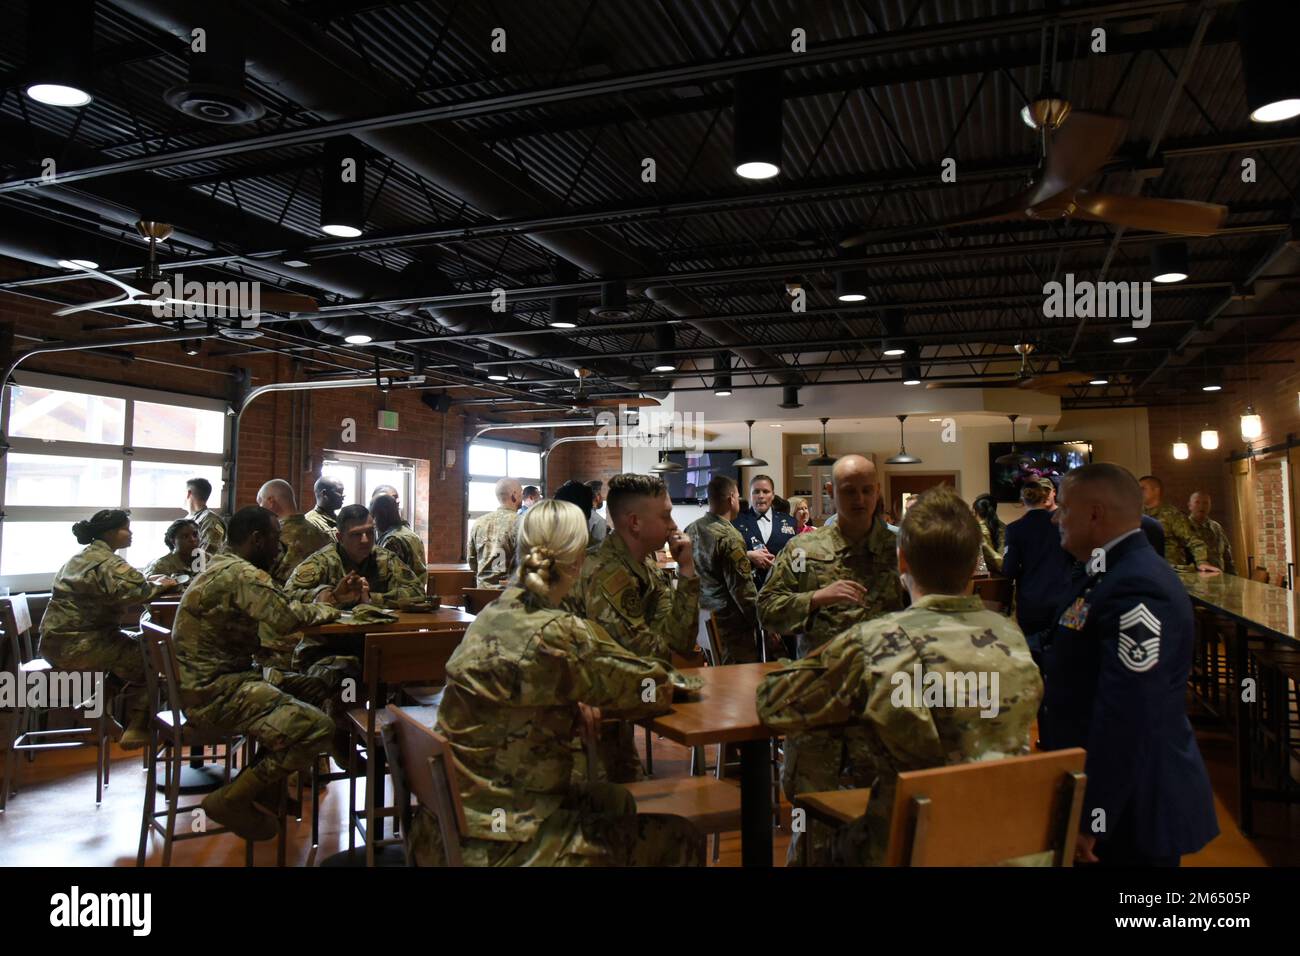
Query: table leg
[(755, 803), (1245, 718)]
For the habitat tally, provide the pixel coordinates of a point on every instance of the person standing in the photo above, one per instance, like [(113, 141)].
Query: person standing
[(1116, 666), (531, 495), (823, 584), (622, 591), (298, 536), (799, 511), (1218, 548), (182, 540), (388, 490), (764, 529), (212, 530), (993, 531), (81, 629), (396, 535), (223, 691), (329, 499), (853, 679), (597, 526), (1181, 538), (726, 576), (1038, 565), (492, 542)]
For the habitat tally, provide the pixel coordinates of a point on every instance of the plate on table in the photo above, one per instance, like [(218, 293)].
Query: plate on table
[(685, 685), (181, 579)]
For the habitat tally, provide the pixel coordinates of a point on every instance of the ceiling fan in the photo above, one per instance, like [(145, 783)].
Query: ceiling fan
[(150, 274), (582, 401), (1052, 382), (1080, 144)]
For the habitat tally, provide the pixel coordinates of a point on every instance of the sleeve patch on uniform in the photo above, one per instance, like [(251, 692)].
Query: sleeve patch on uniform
[(1137, 651)]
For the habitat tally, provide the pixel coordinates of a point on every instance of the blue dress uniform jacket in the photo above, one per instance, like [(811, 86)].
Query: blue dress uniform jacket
[(1035, 560), (782, 531), (1116, 669)]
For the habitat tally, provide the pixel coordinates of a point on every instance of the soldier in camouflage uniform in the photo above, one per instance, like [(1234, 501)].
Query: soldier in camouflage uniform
[(329, 499), (81, 631), (726, 576), (822, 584), (351, 572), (526, 681), (1181, 538), (940, 683), (212, 529), (221, 688), (492, 543), (396, 535), (299, 538), (182, 540), (1218, 548), (622, 590)]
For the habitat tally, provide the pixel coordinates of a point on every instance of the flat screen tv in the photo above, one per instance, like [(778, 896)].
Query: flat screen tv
[(691, 486), (1005, 481)]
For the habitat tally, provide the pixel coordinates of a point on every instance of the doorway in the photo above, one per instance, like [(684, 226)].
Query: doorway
[(898, 484)]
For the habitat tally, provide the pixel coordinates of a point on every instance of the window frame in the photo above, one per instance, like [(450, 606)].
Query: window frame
[(127, 453), (360, 460), (472, 516)]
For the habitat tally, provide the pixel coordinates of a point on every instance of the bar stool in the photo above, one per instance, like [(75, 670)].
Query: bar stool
[(16, 619)]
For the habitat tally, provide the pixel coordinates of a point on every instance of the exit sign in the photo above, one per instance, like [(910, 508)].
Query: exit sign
[(387, 421)]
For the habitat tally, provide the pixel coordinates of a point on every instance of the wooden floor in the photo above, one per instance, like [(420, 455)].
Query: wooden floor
[(53, 820)]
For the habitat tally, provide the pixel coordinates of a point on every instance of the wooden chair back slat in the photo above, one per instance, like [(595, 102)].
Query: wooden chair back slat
[(450, 583), (160, 671), (988, 812), (476, 599), (410, 657), (16, 619), (430, 773)]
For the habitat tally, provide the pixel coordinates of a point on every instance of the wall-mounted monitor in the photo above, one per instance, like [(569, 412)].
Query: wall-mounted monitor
[(1005, 481), (692, 485)]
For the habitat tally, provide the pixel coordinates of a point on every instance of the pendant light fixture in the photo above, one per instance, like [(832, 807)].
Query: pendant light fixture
[(663, 465), (1252, 426), (665, 342), (825, 459), (749, 461), (902, 458), (1180, 449), (851, 285), (757, 118), (722, 376), (1013, 457), (1266, 32), (1209, 438), (790, 397), (343, 188), (1169, 262), (1042, 461), (59, 53)]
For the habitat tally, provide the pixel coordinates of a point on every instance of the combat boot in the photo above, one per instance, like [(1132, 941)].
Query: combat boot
[(233, 806), (136, 734)]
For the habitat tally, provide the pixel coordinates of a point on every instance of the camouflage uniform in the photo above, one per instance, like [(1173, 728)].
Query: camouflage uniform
[(1217, 546), (406, 544), (212, 530), (390, 581), (216, 636), (509, 715), (492, 547), (726, 586), (80, 630), (170, 564), (812, 760), (640, 610), (992, 557), (299, 538), (890, 731), (1181, 538), (325, 522)]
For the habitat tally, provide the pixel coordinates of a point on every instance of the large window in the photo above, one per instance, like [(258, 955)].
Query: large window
[(76, 447), (362, 474), (489, 462)]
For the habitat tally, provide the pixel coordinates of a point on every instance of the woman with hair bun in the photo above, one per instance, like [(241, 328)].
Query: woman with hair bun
[(80, 630), (527, 681)]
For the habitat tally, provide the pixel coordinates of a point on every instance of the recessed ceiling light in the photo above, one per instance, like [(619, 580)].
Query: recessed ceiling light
[(56, 94), (775, 425), (1124, 339), (77, 264)]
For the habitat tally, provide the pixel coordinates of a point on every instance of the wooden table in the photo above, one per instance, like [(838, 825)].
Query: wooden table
[(1249, 605), (725, 712), (443, 618)]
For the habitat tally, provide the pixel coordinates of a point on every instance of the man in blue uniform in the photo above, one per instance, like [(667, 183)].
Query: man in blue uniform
[(1117, 664), (764, 529)]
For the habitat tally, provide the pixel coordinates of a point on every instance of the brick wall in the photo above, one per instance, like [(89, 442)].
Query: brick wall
[(1270, 536), (582, 461)]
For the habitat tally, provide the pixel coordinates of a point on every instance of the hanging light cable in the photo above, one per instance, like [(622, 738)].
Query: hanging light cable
[(825, 459)]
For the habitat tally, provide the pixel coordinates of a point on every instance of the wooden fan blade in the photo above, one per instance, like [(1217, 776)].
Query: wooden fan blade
[(1013, 207), (631, 401), (289, 302), (987, 383), (1056, 379), (1078, 150), (1179, 217)]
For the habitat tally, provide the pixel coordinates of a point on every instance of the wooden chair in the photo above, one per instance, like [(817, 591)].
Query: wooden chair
[(28, 734), (170, 735), (995, 592), (163, 613), (444, 582), (422, 768), (957, 816), (476, 599), (711, 804), (391, 660)]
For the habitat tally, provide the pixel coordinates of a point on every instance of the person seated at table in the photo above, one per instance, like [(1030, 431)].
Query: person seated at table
[(346, 574), (992, 532), (622, 590), (182, 540), (800, 511), (878, 677), (527, 680), (298, 536), (1038, 565), (395, 535), (223, 691), (81, 629)]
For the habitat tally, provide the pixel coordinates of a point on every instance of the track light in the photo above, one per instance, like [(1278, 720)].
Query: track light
[(343, 189), (851, 285), (60, 45), (665, 342), (1266, 33), (1169, 262), (757, 118)]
